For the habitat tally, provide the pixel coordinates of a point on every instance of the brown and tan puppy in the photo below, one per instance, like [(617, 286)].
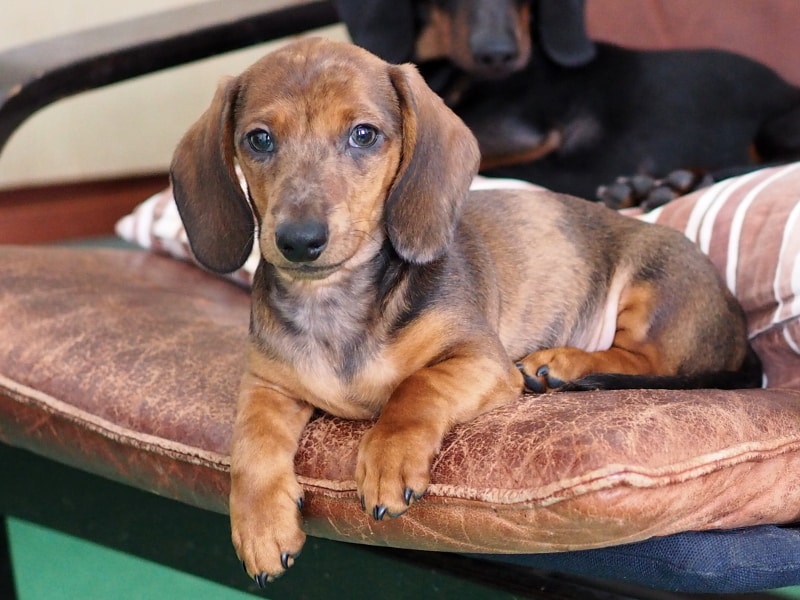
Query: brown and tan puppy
[(387, 291)]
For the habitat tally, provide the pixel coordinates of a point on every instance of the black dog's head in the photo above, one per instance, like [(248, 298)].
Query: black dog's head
[(486, 39), (489, 39)]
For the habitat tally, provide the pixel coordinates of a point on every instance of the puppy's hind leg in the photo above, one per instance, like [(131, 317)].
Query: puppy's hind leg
[(633, 351)]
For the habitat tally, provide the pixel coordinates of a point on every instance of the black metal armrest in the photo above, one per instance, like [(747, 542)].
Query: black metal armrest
[(37, 74)]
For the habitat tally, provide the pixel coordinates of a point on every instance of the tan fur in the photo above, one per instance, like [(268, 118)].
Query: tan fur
[(436, 38), (423, 296)]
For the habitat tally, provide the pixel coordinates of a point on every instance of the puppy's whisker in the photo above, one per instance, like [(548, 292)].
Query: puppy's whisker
[(363, 235)]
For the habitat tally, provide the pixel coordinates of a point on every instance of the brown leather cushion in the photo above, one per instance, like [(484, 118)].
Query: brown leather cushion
[(126, 364)]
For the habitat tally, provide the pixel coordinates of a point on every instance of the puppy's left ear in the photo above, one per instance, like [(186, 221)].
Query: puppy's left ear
[(440, 157)]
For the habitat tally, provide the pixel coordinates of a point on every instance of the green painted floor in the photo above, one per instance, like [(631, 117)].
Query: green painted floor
[(54, 566)]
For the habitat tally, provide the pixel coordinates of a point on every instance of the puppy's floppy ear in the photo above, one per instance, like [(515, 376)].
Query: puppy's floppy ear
[(212, 205), (562, 32), (438, 161)]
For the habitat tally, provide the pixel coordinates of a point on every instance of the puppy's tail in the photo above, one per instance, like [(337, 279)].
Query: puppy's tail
[(749, 375)]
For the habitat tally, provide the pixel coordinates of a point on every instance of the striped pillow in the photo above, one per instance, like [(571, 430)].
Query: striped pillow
[(748, 225), (156, 225), (750, 228)]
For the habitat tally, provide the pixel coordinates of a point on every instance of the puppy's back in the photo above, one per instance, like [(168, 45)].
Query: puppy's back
[(561, 263)]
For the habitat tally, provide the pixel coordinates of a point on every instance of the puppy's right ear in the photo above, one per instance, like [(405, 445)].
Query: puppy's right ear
[(212, 205)]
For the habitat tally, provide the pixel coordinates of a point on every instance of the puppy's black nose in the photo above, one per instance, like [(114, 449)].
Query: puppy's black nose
[(301, 241)]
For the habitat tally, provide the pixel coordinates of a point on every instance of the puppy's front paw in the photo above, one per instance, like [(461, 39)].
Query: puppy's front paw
[(393, 469), (266, 527), (549, 370)]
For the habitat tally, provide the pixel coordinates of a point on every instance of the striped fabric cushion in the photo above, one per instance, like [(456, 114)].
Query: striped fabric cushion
[(750, 228), (748, 225), (156, 225)]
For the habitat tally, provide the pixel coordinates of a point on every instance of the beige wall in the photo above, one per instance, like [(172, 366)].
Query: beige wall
[(127, 128), (131, 127)]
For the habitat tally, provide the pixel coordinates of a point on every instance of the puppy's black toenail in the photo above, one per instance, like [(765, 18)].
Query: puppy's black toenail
[(300, 503), (408, 496), (379, 512), (262, 579), (244, 567), (532, 384), (285, 558), (543, 371)]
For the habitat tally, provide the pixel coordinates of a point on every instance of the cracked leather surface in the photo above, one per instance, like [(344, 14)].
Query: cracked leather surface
[(126, 364)]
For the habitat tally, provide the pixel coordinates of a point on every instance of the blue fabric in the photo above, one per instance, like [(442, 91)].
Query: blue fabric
[(738, 560)]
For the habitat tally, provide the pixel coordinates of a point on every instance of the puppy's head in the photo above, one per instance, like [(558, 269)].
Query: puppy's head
[(340, 151)]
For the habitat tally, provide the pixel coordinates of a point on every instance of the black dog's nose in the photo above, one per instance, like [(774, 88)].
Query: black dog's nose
[(497, 53), (301, 241)]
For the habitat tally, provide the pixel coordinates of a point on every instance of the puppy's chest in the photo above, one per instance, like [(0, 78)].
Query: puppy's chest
[(337, 348)]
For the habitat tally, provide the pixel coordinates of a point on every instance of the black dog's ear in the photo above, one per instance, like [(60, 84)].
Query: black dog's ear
[(384, 27), (438, 161), (212, 205), (562, 33)]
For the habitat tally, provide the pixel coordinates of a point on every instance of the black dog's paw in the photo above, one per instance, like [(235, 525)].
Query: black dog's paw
[(648, 192)]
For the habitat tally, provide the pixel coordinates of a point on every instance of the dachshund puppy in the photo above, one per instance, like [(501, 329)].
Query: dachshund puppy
[(386, 290), (551, 106)]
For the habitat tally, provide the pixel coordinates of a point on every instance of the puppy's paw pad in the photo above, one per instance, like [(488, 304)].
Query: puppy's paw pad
[(267, 534), (553, 369), (392, 472), (541, 382), (552, 382)]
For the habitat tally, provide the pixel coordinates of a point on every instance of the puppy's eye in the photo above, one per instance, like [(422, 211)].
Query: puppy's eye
[(363, 136), (260, 141)]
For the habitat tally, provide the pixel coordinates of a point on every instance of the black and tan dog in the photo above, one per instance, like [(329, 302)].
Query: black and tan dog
[(386, 290), (550, 105)]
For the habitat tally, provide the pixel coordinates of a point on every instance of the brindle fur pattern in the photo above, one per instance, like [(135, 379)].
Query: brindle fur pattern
[(423, 296)]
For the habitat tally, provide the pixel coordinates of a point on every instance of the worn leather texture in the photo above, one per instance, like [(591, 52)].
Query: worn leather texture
[(125, 364)]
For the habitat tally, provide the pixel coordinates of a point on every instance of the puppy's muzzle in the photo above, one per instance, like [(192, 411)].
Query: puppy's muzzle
[(301, 241)]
